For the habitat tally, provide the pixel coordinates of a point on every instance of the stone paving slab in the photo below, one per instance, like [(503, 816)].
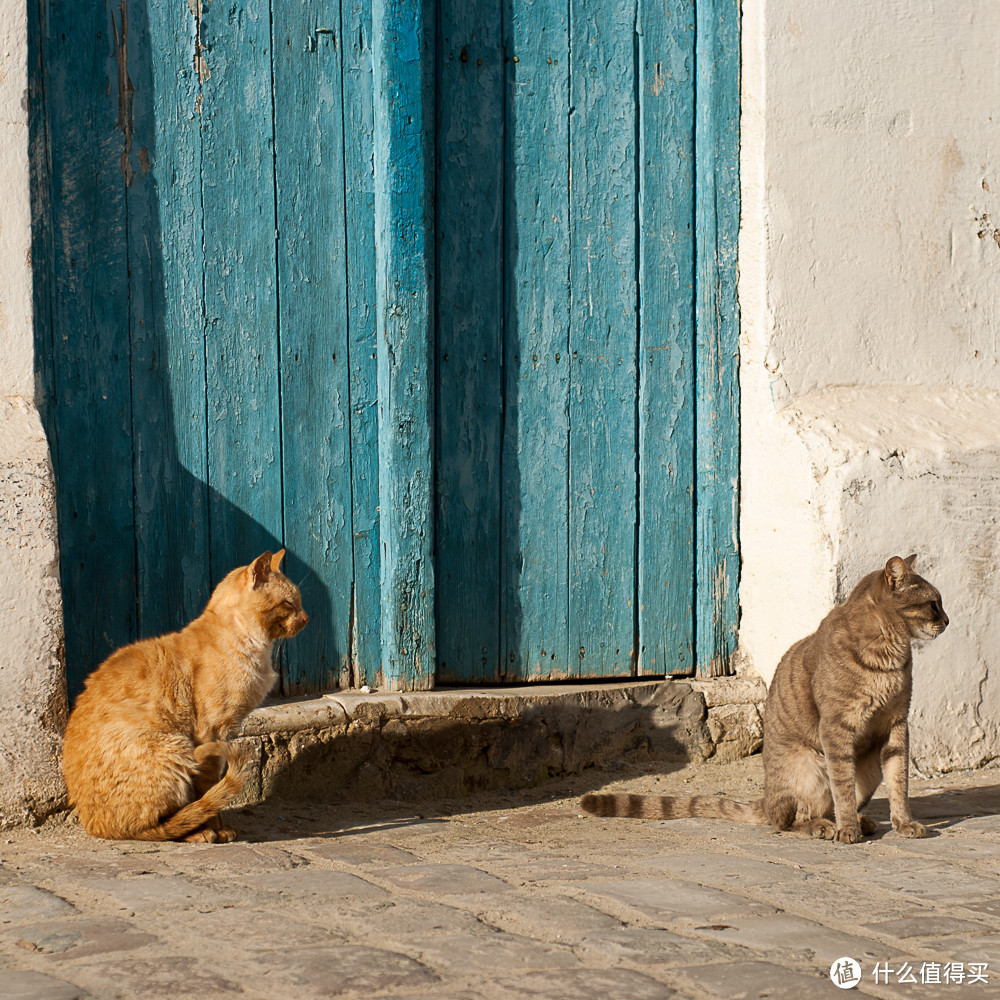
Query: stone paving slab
[(506, 896)]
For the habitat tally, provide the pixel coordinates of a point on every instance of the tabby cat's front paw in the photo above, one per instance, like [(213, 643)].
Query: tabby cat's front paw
[(910, 828), (847, 834), (821, 829)]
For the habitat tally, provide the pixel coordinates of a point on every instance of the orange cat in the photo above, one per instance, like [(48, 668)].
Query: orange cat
[(145, 743)]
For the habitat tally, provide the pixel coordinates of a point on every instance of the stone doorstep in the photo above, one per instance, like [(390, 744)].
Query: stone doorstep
[(451, 742)]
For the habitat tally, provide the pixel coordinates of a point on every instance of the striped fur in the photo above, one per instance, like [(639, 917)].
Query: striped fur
[(672, 807), (836, 721)]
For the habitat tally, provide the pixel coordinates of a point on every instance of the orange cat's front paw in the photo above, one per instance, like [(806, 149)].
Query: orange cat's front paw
[(203, 835), (226, 834), (910, 828)]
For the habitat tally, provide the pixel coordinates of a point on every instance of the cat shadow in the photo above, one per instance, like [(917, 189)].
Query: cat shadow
[(951, 807), (343, 813), (442, 768), (944, 809)]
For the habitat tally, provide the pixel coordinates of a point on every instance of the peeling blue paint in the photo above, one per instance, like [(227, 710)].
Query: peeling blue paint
[(438, 295)]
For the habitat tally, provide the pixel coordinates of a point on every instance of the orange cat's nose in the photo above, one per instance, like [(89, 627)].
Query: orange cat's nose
[(305, 618)]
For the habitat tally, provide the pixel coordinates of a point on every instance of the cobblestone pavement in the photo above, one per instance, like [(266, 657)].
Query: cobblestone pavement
[(510, 896)]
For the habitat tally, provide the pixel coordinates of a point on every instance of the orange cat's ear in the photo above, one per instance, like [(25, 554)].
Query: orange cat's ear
[(895, 570), (260, 570), (276, 559)]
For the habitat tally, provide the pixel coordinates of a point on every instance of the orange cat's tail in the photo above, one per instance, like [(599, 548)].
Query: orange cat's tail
[(199, 812), (673, 807)]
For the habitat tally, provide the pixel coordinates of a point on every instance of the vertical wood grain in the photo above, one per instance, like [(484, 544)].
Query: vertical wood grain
[(359, 172), (244, 318), (165, 319), (314, 322), (469, 328), (90, 416), (717, 330), (603, 331), (666, 338), (535, 451), (402, 33), (241, 307)]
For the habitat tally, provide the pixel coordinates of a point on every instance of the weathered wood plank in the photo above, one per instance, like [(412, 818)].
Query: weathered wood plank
[(165, 263), (241, 314), (402, 32), (666, 332), (90, 415), (314, 324), (469, 296), (717, 326), (535, 450), (359, 127), (603, 339)]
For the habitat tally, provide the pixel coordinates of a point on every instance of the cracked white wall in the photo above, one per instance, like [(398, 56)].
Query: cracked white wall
[(32, 685), (870, 364)]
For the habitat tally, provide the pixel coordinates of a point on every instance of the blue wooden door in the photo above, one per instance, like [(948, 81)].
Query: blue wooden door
[(442, 300)]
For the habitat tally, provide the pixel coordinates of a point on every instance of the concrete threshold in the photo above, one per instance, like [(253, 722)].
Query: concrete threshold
[(355, 746)]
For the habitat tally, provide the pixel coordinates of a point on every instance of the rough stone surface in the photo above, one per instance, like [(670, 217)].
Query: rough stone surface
[(736, 730), (349, 745), (502, 896)]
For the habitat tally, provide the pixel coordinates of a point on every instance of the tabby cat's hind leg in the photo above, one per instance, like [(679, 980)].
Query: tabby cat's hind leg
[(867, 824), (780, 811)]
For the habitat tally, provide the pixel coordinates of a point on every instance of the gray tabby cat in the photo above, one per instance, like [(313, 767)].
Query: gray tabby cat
[(835, 723)]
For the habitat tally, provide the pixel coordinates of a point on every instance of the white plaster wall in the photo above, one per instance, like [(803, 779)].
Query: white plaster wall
[(32, 683), (870, 365)]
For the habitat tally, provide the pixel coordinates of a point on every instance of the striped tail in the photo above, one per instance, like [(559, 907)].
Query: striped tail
[(199, 812), (673, 807)]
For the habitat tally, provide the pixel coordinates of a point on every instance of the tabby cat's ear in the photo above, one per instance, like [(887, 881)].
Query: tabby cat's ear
[(260, 570), (895, 571), (910, 560), (280, 554)]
